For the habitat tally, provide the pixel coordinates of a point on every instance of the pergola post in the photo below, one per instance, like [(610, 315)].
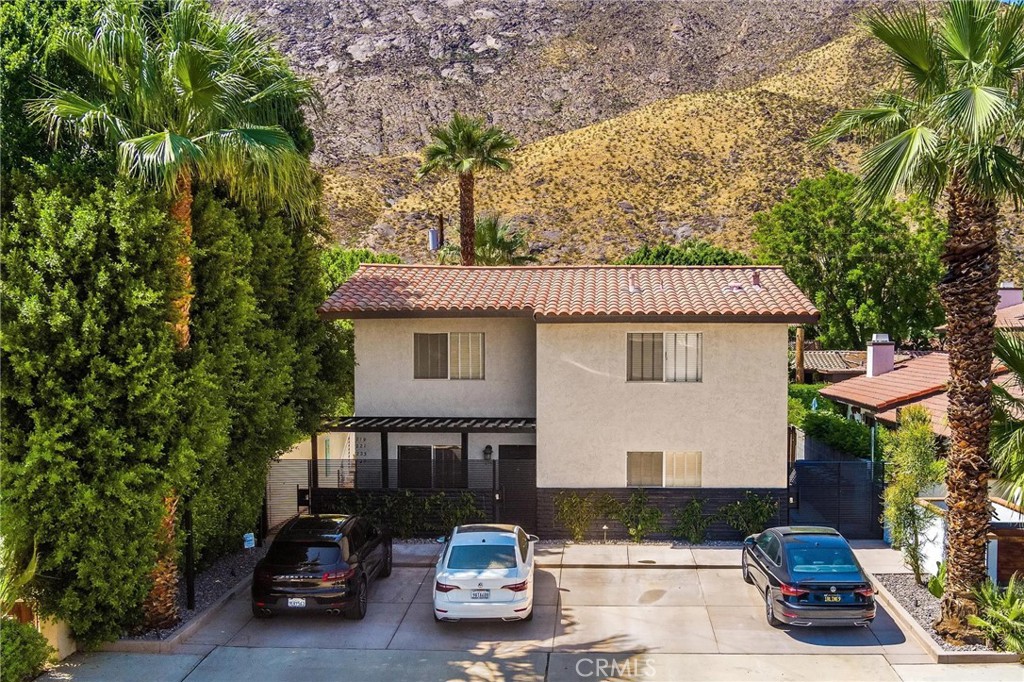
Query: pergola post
[(385, 474)]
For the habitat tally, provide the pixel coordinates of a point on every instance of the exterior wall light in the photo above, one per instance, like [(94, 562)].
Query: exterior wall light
[(488, 452)]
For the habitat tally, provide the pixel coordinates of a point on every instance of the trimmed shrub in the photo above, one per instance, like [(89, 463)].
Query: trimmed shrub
[(24, 651), (576, 513), (638, 516), (750, 515), (843, 434), (691, 523)]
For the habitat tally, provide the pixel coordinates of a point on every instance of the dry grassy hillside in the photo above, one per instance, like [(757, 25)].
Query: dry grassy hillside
[(696, 164)]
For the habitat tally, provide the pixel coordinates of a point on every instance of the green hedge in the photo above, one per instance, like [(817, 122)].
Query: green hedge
[(24, 651), (843, 434)]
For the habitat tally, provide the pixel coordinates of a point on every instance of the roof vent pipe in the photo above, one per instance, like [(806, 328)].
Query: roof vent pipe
[(881, 355), (756, 278), (634, 284)]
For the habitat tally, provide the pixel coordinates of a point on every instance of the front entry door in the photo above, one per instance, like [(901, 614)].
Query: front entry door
[(517, 485)]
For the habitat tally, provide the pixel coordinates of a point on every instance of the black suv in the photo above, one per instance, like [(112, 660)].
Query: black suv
[(321, 563)]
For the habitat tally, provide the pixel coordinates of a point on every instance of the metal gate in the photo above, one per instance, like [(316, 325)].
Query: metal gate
[(517, 486), (845, 495)]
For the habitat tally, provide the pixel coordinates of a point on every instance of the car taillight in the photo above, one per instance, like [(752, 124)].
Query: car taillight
[(516, 587), (865, 591), (335, 576), (791, 591), (441, 587)]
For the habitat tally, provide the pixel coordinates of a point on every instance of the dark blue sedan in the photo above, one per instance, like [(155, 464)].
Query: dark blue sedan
[(808, 576)]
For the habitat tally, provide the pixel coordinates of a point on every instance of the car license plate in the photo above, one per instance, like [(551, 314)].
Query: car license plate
[(833, 598), (297, 602), (480, 594)]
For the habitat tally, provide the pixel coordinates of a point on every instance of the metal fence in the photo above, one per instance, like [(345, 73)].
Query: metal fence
[(845, 495)]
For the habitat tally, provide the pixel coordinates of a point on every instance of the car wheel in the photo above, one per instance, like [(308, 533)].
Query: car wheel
[(386, 570), (769, 609), (257, 612), (746, 572), (358, 609)]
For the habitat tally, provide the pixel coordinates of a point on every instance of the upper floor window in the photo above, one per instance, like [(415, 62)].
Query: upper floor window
[(670, 356), (458, 355)]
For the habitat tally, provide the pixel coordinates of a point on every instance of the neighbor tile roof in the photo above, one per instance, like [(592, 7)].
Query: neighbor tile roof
[(937, 405), (846, 361), (1010, 317), (704, 293), (912, 379)]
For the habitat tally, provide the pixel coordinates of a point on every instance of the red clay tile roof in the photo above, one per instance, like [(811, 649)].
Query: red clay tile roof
[(572, 292), (1010, 317), (937, 404), (847, 361), (912, 379)]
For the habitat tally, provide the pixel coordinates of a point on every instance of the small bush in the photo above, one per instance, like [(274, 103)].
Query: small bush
[(937, 583), (640, 518), (843, 434), (752, 514), (808, 393), (691, 523), (796, 412), (455, 510), (1001, 614), (576, 512), (24, 651)]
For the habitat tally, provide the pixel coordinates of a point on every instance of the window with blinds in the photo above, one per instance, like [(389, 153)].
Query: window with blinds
[(644, 469), (683, 356), (673, 356), (645, 356), (682, 469), (466, 355), (430, 356)]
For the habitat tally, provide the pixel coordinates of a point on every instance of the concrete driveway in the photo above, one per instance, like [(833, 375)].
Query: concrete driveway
[(657, 615)]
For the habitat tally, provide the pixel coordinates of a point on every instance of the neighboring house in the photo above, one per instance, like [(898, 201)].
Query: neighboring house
[(889, 386), (831, 366), (531, 380)]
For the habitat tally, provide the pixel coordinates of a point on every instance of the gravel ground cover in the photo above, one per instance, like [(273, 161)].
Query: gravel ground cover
[(920, 604), (211, 583)]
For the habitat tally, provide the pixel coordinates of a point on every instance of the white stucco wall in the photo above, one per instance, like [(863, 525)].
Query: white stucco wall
[(589, 416), (384, 370)]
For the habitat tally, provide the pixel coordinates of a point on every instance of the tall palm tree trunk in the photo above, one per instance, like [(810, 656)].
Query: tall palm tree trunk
[(160, 608), (467, 224), (969, 294)]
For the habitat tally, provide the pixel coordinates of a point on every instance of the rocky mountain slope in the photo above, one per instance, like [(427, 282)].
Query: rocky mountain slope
[(640, 121)]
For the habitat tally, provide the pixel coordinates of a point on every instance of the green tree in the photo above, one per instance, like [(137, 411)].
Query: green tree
[(89, 392), (912, 466), (867, 272), (464, 147), (688, 252), (498, 242), (1008, 415), (27, 53), (954, 124), (183, 98)]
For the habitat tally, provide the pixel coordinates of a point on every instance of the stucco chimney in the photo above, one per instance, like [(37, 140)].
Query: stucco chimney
[(1009, 294), (881, 355)]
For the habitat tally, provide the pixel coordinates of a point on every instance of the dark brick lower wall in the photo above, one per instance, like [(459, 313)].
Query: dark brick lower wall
[(665, 499)]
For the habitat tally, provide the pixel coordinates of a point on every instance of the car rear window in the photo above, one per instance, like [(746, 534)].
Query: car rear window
[(479, 557), (296, 553), (814, 559)]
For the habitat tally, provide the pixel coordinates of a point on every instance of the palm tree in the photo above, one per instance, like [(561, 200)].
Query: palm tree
[(464, 147), (954, 124), (498, 242), (186, 98), (1008, 415)]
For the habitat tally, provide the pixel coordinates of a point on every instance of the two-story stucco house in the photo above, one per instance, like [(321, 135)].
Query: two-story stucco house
[(526, 381)]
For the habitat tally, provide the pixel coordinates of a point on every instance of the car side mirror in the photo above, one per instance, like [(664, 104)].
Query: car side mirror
[(441, 540), (749, 540), (533, 538)]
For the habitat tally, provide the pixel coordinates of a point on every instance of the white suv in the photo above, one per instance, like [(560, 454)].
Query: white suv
[(485, 571)]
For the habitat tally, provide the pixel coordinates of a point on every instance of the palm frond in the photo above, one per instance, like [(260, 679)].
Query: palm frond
[(911, 41), (1008, 411), (975, 109), (992, 170), (899, 162), (966, 32), (888, 116), (1008, 55), (62, 110), (159, 158)]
